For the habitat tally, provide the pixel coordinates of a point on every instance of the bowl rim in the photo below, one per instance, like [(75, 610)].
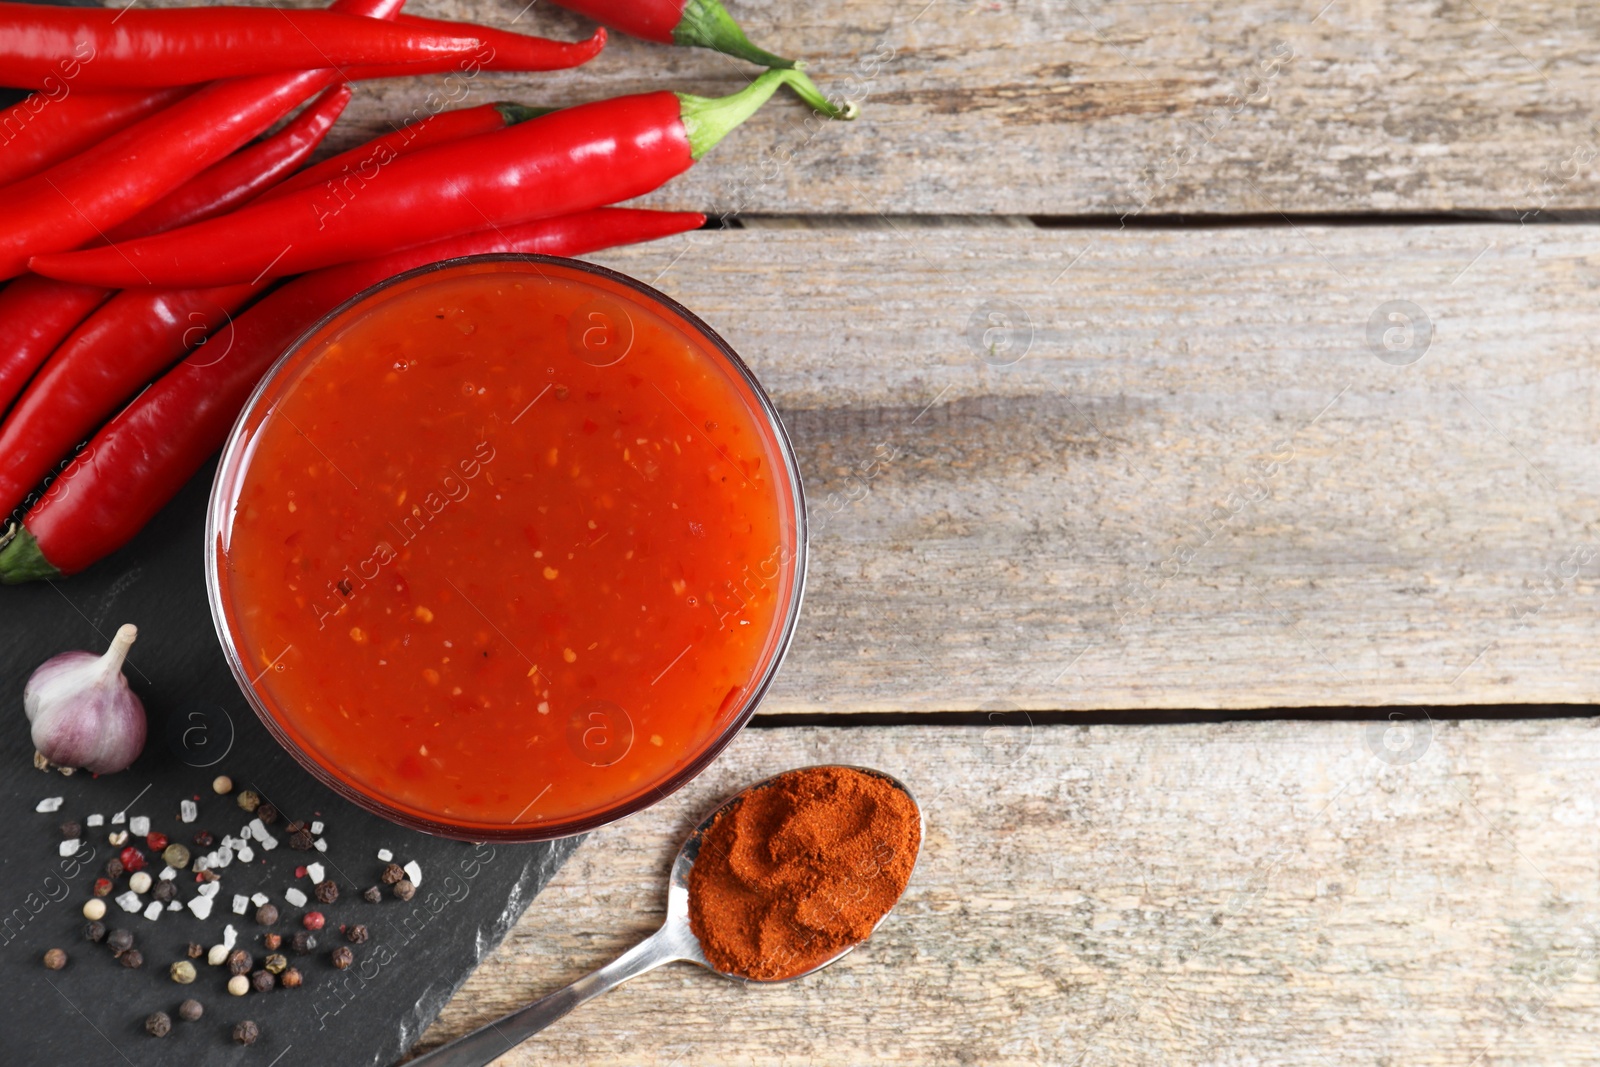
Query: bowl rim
[(234, 462)]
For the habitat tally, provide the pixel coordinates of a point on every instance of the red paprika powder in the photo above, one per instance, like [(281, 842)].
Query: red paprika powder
[(800, 869)]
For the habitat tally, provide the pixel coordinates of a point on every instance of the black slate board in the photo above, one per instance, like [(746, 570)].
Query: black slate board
[(93, 1011)]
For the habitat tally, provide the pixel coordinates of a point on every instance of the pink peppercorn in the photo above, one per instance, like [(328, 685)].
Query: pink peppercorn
[(132, 859), (313, 920), (156, 841)]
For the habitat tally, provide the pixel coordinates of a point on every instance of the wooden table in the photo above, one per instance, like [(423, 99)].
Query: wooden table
[(1153, 367)]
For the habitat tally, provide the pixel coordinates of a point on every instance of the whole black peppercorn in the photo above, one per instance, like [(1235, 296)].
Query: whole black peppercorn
[(195, 950), (113, 868), (204, 839), (119, 941), (267, 814), (326, 891), (303, 942), (132, 958), (392, 874), (164, 890), (372, 895), (95, 931), (191, 1010), (262, 981), (71, 830), (290, 979), (356, 935), (404, 889), (239, 962), (246, 1033), (276, 963), (267, 914), (342, 957), (55, 959), (158, 1024), (302, 840)]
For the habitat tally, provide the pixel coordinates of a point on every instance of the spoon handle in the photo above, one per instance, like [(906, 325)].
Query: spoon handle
[(494, 1039)]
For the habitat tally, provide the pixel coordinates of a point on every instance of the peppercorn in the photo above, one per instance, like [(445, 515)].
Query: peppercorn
[(203, 839), (277, 963), (303, 942), (158, 1024), (239, 962), (246, 1033), (222, 785), (71, 830), (249, 799), (113, 868), (155, 840), (181, 972), (175, 856), (326, 891), (165, 891), (372, 894), (94, 908), (195, 950), (262, 981), (294, 826), (140, 882), (55, 959), (356, 935), (342, 957), (132, 958), (117, 838), (392, 874), (268, 814), (272, 941), (104, 886), (238, 985), (267, 914), (302, 840), (94, 931), (404, 889), (313, 920), (119, 941), (132, 859), (290, 978), (191, 1010)]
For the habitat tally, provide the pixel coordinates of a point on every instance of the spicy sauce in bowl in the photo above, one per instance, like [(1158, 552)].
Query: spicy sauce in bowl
[(506, 548)]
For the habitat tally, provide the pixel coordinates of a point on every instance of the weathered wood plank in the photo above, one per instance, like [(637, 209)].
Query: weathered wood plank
[(1203, 486), (1031, 107), (1245, 893)]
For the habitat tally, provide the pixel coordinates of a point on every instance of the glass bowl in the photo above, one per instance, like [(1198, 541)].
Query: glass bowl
[(357, 420)]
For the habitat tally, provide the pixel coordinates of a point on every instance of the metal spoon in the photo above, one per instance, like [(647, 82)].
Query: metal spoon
[(674, 941)]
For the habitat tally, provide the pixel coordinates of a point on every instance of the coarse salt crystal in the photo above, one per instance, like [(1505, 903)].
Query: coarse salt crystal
[(175, 906), (384, 855), (129, 901), (240, 903), (220, 858), (201, 906), (316, 826), (49, 804), (229, 936), (188, 811), (118, 818), (154, 911), (95, 820), (294, 897), (322, 846), (139, 825), (69, 847), (259, 831), (246, 832), (259, 899), (314, 872), (414, 872), (208, 889), (246, 854), (167, 874)]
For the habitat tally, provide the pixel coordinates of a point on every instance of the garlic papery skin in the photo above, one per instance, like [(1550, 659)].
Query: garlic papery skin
[(82, 710)]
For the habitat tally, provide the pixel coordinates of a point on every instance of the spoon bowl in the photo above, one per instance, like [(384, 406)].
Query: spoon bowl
[(675, 940)]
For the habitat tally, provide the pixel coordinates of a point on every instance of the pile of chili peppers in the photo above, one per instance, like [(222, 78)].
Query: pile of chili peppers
[(158, 253)]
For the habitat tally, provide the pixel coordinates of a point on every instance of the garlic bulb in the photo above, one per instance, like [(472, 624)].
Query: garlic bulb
[(82, 711)]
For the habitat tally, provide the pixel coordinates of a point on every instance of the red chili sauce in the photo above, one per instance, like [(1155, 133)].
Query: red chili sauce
[(512, 546)]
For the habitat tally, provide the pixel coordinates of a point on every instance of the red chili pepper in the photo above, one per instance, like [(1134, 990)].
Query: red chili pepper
[(137, 166), (144, 455), (244, 175), (570, 160), (36, 314), (362, 163), (115, 48), (500, 51), (691, 23), (58, 123)]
